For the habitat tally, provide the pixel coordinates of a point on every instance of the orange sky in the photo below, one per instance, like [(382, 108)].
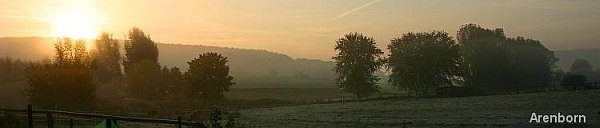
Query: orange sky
[(301, 28)]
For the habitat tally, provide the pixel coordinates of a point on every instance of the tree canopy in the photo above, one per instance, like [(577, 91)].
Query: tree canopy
[(493, 62), (66, 82), (208, 77), (421, 62), (356, 62), (141, 66), (106, 58)]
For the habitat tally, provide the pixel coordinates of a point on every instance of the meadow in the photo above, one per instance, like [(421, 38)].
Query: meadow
[(483, 111), (287, 107)]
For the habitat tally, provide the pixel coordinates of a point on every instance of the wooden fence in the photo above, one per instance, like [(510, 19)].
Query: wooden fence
[(50, 118)]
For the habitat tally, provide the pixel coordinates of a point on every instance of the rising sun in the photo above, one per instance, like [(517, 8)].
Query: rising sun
[(75, 23)]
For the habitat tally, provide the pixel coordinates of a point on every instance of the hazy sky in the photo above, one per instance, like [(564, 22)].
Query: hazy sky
[(308, 28)]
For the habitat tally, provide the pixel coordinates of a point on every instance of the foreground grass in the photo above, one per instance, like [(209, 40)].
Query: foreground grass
[(484, 111)]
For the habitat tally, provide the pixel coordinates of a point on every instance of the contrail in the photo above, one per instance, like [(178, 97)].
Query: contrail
[(354, 10)]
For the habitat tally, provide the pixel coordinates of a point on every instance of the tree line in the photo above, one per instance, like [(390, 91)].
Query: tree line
[(582, 73), (420, 63), (71, 78), (12, 70)]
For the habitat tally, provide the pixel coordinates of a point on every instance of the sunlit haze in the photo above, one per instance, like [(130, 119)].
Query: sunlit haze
[(76, 22), (301, 29), (299, 63)]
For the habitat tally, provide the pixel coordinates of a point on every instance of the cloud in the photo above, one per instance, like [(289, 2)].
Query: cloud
[(354, 10)]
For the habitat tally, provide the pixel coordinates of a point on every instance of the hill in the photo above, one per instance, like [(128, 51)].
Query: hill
[(250, 67)]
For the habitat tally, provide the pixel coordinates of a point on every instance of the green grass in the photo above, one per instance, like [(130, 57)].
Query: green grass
[(484, 111)]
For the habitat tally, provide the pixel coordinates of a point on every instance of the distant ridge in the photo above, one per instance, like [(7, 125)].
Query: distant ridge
[(250, 67)]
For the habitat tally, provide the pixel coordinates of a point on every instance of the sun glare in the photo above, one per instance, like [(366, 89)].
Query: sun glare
[(75, 23)]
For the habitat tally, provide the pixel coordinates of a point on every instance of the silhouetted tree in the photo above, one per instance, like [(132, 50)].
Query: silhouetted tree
[(531, 64), (486, 57), (107, 58), (67, 82), (357, 61), (141, 66), (422, 62), (208, 77), (493, 62)]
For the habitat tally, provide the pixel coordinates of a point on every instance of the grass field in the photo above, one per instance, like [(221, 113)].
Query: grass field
[(484, 111), (290, 94)]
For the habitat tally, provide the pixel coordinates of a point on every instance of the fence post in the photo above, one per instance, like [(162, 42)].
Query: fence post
[(71, 123), (49, 120), (29, 116), (108, 123), (178, 121)]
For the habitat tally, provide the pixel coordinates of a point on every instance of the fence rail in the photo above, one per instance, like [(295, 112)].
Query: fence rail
[(50, 113)]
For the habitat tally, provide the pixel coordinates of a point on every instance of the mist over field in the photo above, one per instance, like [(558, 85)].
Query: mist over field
[(246, 62), (299, 64), (252, 67)]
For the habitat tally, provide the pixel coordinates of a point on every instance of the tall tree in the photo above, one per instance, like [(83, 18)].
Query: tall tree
[(486, 57), (356, 63), (531, 64), (493, 62), (107, 58), (421, 62), (208, 77), (67, 82), (141, 66)]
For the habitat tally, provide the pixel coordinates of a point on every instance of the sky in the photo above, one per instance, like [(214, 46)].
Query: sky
[(301, 28)]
